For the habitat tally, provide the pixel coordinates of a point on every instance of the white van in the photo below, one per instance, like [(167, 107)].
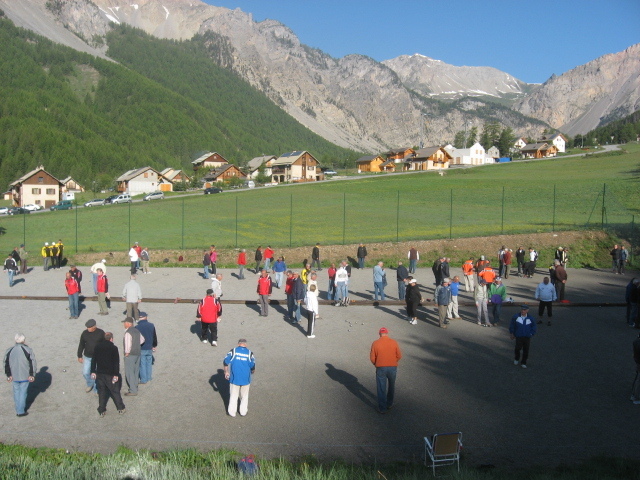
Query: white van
[(250, 184), (122, 198)]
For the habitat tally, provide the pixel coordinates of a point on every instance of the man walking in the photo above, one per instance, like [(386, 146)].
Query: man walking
[(132, 295), (132, 341), (73, 290), (89, 339), (11, 268), (521, 329), (401, 277), (443, 299), (20, 368), (239, 364), (379, 281), (105, 370), (546, 293), (279, 268), (362, 255), (209, 312), (148, 332), (315, 257), (497, 296), (216, 285), (385, 354), (265, 287), (102, 288), (413, 257)]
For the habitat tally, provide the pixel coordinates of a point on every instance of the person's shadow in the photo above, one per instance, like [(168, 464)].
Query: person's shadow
[(352, 384), (221, 385), (40, 385)]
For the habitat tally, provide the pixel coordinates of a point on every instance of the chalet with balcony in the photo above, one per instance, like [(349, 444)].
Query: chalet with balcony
[(143, 180), (298, 166), (370, 163), (209, 161), (222, 174), (38, 187), (175, 176), (399, 155), (70, 185), (558, 140), (539, 150), (429, 158), (256, 163)]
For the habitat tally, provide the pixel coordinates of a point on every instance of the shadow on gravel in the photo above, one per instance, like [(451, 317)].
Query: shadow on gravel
[(352, 384), (40, 385), (220, 385)]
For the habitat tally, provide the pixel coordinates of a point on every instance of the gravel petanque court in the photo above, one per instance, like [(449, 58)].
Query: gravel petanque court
[(317, 396)]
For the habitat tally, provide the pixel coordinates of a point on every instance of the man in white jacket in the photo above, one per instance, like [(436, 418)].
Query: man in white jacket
[(311, 303)]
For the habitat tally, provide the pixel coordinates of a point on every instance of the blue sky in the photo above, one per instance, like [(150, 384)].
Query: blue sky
[(531, 40)]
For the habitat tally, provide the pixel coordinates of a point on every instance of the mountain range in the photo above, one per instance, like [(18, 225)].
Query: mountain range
[(355, 101)]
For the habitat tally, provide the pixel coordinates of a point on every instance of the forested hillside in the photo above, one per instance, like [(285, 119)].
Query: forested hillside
[(94, 119)]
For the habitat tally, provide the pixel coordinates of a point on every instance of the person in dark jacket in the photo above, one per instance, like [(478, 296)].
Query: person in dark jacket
[(561, 279), (632, 297), (362, 255), (20, 368), (206, 264), (401, 276), (88, 341), (148, 331), (635, 388), (315, 257), (413, 299), (298, 293), (522, 328), (435, 268), (105, 370), (258, 258), (520, 254)]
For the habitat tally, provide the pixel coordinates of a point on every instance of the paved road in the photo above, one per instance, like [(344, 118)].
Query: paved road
[(317, 396)]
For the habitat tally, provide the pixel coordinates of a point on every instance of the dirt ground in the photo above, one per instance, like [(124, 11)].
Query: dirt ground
[(317, 396)]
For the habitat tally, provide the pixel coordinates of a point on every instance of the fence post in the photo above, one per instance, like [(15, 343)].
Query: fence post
[(344, 214), (290, 219), (502, 224), (398, 218), (236, 221), (129, 244), (76, 205), (182, 223), (450, 213), (553, 227), (604, 191), (633, 237), (24, 229)]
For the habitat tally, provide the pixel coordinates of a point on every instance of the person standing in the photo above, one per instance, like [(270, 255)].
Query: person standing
[(561, 280), (444, 268), (145, 258), (624, 259), (268, 258), (132, 341), (105, 370), (520, 254), (304, 274), (60, 246), (242, 263), (11, 268), (435, 268), (264, 290), (342, 279), (133, 259), (615, 259), (488, 274), (102, 288), (216, 286), (561, 256), (258, 258), (379, 281), (23, 259), (206, 265), (73, 290), (635, 388), (77, 274), (546, 294), (239, 364), (54, 256), (20, 368), (501, 253), (288, 291), (413, 299), (46, 256), (148, 332), (467, 270), (209, 313), (401, 276), (279, 268), (132, 295), (89, 339), (521, 329), (311, 303), (481, 297), (452, 310), (213, 254), (315, 257), (384, 355), (443, 299), (94, 272), (632, 297), (507, 258), (413, 256), (531, 264), (331, 289), (497, 296), (362, 255)]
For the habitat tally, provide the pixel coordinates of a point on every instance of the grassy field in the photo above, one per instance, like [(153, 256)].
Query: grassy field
[(520, 197), (22, 463)]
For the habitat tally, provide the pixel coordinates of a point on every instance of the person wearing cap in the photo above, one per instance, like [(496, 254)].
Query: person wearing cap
[(132, 295), (105, 370), (132, 342), (148, 331), (89, 338), (73, 290), (413, 299), (384, 355), (209, 313), (497, 295), (443, 299), (46, 256), (102, 289), (60, 246), (94, 271), (635, 387), (481, 297), (401, 277), (546, 294), (55, 259), (521, 329), (20, 368), (488, 274), (265, 286), (239, 364), (23, 259), (480, 264)]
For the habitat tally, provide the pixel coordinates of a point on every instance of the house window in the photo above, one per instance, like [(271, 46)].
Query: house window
[(40, 179), (36, 191), (38, 202), (51, 191), (146, 174)]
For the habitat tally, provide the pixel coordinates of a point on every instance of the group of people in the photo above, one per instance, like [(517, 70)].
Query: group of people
[(619, 259), (139, 258)]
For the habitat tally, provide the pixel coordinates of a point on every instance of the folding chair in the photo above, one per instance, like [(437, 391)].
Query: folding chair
[(443, 449)]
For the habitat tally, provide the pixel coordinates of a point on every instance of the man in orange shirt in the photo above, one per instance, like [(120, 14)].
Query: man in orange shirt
[(385, 354), (467, 269), (488, 274)]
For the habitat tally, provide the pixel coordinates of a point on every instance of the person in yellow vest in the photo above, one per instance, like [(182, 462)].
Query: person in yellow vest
[(46, 255), (60, 246)]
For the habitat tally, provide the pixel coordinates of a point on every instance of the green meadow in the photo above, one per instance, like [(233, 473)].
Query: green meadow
[(520, 197)]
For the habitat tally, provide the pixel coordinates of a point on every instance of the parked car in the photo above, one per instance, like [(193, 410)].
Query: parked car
[(153, 196), (110, 199), (18, 211), (210, 190), (330, 172), (62, 205), (32, 207), (95, 202), (4, 210), (122, 198)]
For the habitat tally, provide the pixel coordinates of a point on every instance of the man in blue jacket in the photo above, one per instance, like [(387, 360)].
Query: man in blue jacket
[(522, 328), (239, 364)]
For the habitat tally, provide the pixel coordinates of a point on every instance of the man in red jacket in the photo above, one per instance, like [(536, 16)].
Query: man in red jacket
[(264, 292), (209, 312), (385, 355), (73, 291), (242, 262), (102, 286)]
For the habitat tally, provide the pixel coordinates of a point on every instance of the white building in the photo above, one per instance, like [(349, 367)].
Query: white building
[(143, 180), (469, 156)]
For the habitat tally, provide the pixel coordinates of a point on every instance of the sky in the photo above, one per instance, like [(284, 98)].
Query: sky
[(530, 40)]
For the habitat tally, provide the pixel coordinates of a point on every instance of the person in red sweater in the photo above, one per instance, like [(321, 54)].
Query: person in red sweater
[(264, 292), (385, 355), (242, 262), (73, 291), (209, 312), (102, 286), (331, 293), (268, 258)]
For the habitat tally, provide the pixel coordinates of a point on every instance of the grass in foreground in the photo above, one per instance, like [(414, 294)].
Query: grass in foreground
[(17, 462)]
